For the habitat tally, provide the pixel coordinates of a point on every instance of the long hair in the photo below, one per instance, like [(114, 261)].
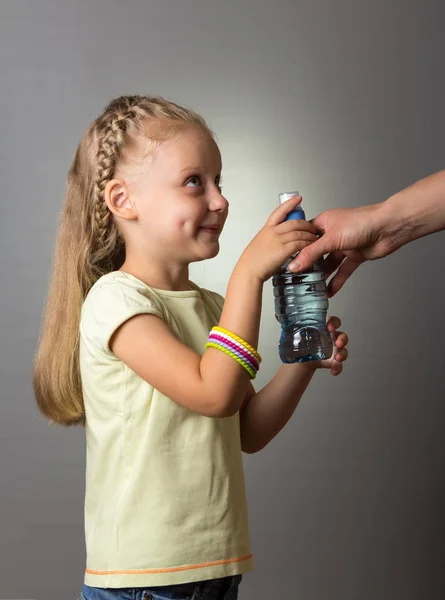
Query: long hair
[(89, 243)]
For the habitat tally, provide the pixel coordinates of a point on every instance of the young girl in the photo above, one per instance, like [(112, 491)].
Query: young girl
[(157, 368)]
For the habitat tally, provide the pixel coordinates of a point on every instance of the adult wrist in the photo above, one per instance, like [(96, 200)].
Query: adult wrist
[(390, 225), (397, 220)]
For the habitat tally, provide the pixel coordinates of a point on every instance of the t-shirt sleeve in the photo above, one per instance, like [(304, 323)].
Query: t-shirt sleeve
[(109, 305), (215, 303), (219, 301)]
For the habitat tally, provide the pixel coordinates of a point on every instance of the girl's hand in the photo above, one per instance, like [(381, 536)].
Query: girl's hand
[(339, 353), (277, 241)]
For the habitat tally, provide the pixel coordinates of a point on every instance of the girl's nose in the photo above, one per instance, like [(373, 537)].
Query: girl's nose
[(218, 202)]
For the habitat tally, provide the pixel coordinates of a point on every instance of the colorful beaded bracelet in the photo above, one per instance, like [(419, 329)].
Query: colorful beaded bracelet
[(235, 347), (240, 340), (226, 341), (239, 360), (231, 340), (237, 351)]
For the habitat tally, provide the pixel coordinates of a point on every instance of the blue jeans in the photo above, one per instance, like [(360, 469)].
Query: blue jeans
[(225, 588)]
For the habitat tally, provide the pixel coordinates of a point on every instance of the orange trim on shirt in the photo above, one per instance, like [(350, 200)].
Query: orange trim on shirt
[(170, 569)]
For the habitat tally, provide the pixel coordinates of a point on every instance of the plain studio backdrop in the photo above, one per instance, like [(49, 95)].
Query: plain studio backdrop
[(341, 100)]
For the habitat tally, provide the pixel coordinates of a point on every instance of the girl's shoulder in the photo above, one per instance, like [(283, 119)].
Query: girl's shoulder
[(118, 284), (115, 279), (209, 295), (113, 299)]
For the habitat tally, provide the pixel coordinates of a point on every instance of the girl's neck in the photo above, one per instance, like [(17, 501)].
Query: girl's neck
[(174, 279)]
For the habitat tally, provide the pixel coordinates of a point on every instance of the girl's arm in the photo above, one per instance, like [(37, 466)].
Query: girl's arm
[(264, 414), (213, 384)]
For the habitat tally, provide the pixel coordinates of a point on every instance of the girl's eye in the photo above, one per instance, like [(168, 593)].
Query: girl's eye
[(194, 178)]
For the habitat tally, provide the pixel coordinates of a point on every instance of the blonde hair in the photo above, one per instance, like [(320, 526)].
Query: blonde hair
[(89, 244)]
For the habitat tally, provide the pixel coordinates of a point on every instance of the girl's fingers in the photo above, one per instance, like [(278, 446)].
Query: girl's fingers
[(281, 212), (337, 363), (297, 236), (333, 324), (341, 340), (336, 369), (297, 226), (342, 355)]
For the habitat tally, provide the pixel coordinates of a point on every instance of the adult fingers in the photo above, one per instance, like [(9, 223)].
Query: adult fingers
[(312, 253), (345, 271), (332, 262)]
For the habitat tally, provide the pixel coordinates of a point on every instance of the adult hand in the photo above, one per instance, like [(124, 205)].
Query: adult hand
[(353, 235), (350, 236)]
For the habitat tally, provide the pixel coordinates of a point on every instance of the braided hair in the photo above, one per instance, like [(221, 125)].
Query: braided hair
[(89, 243)]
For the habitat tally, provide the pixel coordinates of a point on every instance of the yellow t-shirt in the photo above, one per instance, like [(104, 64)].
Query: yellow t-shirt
[(165, 497)]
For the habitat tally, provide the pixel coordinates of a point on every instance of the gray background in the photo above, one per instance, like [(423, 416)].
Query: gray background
[(341, 100)]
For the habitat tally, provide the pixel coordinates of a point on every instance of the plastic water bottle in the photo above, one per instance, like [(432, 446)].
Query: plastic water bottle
[(301, 304)]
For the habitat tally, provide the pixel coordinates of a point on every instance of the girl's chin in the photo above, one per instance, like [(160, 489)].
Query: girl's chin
[(209, 251)]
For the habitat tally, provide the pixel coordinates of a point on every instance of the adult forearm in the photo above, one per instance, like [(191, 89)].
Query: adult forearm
[(415, 211)]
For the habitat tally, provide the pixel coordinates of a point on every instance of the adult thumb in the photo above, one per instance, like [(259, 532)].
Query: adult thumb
[(309, 255)]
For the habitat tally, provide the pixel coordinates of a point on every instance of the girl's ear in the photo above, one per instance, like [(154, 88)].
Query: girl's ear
[(118, 199)]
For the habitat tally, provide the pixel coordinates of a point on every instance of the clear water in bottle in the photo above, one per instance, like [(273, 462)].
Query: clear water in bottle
[(301, 305)]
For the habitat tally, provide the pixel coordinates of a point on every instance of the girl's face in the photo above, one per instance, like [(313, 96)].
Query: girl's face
[(181, 211)]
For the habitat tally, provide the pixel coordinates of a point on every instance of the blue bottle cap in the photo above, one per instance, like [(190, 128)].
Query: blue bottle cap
[(298, 213)]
